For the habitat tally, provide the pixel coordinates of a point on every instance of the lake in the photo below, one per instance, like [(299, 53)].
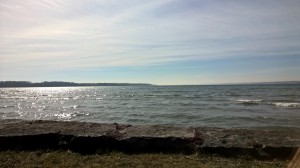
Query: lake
[(226, 106)]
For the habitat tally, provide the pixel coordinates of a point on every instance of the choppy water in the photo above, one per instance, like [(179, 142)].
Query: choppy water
[(221, 106)]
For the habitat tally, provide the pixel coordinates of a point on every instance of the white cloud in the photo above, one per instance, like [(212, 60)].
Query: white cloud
[(95, 34)]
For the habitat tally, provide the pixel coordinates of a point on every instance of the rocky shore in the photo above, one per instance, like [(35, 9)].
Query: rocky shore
[(98, 138)]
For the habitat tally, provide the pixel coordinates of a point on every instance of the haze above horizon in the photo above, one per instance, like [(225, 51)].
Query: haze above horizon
[(159, 42)]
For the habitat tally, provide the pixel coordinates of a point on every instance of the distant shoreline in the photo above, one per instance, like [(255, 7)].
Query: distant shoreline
[(5, 84), (13, 84)]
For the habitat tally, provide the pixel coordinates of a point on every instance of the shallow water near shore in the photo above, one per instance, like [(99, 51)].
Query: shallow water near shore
[(223, 106)]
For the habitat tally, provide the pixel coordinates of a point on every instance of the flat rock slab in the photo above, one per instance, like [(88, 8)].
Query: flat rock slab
[(24, 127), (84, 129), (93, 137)]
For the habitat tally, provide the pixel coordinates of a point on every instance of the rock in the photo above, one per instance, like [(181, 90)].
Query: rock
[(95, 137)]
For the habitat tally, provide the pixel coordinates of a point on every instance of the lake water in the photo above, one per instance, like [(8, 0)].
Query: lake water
[(221, 106)]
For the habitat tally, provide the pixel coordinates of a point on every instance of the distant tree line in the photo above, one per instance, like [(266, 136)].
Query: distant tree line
[(60, 84)]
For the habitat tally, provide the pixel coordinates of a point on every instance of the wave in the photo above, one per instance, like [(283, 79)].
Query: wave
[(79, 114), (71, 107), (248, 101), (7, 106), (282, 104)]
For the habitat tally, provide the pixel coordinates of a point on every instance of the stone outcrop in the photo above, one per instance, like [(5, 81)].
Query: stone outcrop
[(97, 138)]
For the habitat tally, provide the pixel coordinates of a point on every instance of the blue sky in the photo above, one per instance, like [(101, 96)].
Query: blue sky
[(157, 41)]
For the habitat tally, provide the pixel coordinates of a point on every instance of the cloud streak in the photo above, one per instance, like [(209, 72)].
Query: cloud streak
[(77, 34)]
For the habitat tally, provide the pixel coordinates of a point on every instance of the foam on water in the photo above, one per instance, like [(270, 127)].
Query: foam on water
[(284, 104), (248, 101)]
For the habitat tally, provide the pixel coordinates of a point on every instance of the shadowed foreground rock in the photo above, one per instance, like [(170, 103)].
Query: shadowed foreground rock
[(97, 138)]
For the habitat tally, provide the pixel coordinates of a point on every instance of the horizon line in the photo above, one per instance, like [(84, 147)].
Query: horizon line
[(145, 83)]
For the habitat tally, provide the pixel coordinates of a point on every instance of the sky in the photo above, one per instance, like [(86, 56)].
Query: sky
[(161, 42)]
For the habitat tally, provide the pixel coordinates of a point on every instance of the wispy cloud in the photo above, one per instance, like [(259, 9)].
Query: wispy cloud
[(76, 34)]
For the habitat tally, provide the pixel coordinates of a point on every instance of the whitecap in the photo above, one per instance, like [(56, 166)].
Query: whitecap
[(78, 114), (7, 106), (76, 97), (282, 104), (248, 101), (63, 116), (74, 107)]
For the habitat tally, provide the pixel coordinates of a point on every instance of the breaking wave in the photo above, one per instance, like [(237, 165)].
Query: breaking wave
[(248, 101), (281, 104)]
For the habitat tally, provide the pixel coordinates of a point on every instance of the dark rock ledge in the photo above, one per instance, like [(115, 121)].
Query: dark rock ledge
[(98, 138)]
